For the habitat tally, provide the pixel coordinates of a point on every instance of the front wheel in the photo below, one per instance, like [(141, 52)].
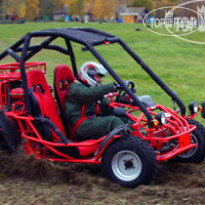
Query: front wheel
[(129, 161), (9, 137)]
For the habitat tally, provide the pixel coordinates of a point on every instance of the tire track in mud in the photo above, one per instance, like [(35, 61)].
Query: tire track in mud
[(27, 166), (174, 183)]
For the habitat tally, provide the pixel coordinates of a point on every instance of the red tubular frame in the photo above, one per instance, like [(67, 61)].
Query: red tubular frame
[(176, 124), (175, 128), (11, 72), (27, 129), (3, 94)]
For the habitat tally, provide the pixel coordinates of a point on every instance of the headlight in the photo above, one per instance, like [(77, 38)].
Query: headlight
[(203, 110), (161, 117), (193, 107)]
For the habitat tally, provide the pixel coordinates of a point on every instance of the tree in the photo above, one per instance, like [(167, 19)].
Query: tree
[(73, 7), (127, 2), (76, 7), (22, 11), (46, 8), (148, 4), (32, 9), (10, 6), (103, 9), (163, 3), (58, 4), (80, 6), (1, 9), (12, 9), (109, 8), (98, 10)]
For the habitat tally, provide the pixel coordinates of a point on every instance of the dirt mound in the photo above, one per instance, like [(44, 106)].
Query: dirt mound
[(28, 167), (48, 183), (181, 175)]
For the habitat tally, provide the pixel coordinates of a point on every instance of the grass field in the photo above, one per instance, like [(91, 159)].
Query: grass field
[(178, 63)]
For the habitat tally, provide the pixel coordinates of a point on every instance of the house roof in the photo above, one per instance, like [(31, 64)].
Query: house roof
[(124, 10), (64, 10), (59, 12)]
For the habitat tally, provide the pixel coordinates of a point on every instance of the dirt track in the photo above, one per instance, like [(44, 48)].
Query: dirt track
[(25, 180)]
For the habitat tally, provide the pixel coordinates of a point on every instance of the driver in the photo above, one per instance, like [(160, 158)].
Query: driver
[(86, 108)]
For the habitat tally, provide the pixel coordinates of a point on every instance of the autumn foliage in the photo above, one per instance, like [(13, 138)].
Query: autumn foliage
[(30, 9), (100, 9)]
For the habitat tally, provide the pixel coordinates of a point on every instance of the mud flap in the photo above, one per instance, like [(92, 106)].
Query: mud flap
[(9, 132), (118, 130)]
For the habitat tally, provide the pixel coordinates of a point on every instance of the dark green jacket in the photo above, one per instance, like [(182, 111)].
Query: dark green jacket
[(78, 94)]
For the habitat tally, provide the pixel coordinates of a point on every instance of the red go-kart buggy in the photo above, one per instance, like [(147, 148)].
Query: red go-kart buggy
[(30, 115)]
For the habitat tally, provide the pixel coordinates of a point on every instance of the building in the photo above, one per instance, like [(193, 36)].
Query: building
[(130, 14), (60, 14)]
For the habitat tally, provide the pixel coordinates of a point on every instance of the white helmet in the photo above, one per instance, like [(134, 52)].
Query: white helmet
[(88, 70)]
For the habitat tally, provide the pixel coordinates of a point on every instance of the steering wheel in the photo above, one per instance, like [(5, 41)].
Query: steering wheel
[(123, 97)]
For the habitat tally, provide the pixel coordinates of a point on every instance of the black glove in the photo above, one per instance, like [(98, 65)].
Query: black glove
[(126, 82), (118, 86)]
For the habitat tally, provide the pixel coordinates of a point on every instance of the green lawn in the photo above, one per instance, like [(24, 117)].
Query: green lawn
[(178, 63)]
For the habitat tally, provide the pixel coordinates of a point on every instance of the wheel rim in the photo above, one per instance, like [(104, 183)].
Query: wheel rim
[(192, 151), (126, 165)]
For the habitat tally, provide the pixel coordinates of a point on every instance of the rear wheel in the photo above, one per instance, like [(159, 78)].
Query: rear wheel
[(196, 154), (129, 161), (200, 127)]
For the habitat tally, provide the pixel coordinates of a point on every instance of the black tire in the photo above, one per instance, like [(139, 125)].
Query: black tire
[(200, 127), (3, 143), (129, 161), (10, 139), (203, 110), (196, 154)]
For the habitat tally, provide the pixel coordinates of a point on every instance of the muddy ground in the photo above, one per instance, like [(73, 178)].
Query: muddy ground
[(25, 180)]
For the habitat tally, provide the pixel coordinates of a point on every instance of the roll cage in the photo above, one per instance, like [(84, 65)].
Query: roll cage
[(89, 38)]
